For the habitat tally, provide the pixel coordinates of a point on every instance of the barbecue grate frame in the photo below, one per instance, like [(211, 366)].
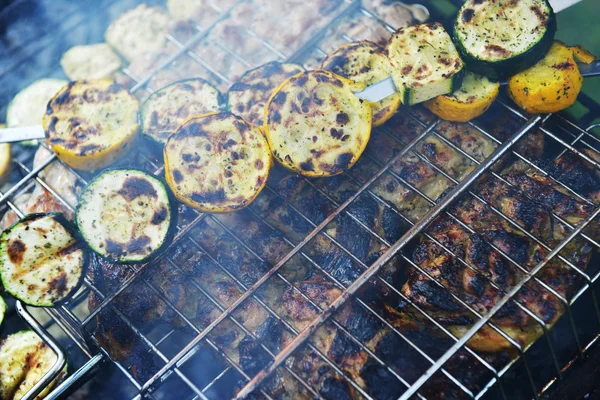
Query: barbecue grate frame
[(76, 328)]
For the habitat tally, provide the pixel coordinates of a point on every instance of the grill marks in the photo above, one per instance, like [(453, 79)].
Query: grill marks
[(83, 137), (366, 63), (16, 250), (41, 259), (135, 187), (217, 162), (315, 126), (168, 107), (248, 96)]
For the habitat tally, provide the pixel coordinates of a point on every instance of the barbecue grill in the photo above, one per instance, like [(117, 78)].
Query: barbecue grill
[(191, 361)]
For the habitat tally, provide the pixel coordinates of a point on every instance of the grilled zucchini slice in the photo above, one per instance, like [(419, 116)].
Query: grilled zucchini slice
[(29, 105), (217, 162), (365, 62), (474, 97), (138, 32), (92, 61), (91, 124), (127, 215), (168, 107), (426, 63), (42, 259), (551, 85), (24, 360), (315, 124), (500, 38), (248, 96)]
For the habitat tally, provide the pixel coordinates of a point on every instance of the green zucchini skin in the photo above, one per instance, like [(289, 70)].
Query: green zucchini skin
[(502, 69), (172, 209), (72, 230)]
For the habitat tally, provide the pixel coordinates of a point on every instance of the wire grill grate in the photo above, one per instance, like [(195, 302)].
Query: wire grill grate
[(251, 292)]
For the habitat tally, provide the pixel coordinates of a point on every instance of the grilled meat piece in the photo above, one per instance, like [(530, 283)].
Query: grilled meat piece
[(487, 274)]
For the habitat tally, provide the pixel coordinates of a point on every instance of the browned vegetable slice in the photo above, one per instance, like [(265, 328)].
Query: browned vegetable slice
[(248, 96), (217, 162), (315, 124), (91, 124), (168, 107)]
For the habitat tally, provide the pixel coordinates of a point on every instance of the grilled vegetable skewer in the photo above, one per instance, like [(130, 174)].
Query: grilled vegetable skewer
[(42, 259), (127, 215)]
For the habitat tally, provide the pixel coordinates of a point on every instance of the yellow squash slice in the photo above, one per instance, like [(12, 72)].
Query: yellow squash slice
[(551, 85), (315, 124), (91, 124), (475, 96), (217, 162), (247, 97)]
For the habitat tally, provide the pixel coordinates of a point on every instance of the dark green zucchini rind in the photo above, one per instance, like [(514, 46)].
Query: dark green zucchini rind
[(135, 192), (512, 64), (61, 259)]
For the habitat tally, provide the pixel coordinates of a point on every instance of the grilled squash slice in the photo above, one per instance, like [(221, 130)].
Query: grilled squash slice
[(315, 124), (365, 62), (501, 38), (42, 259), (217, 162), (475, 96), (127, 215), (426, 63), (29, 105), (138, 31), (91, 124), (24, 360), (168, 107), (551, 85), (92, 61), (248, 96)]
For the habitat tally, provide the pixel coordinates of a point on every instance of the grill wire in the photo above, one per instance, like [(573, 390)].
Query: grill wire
[(79, 326)]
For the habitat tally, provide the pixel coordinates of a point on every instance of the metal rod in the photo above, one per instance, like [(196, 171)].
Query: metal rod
[(60, 356)]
